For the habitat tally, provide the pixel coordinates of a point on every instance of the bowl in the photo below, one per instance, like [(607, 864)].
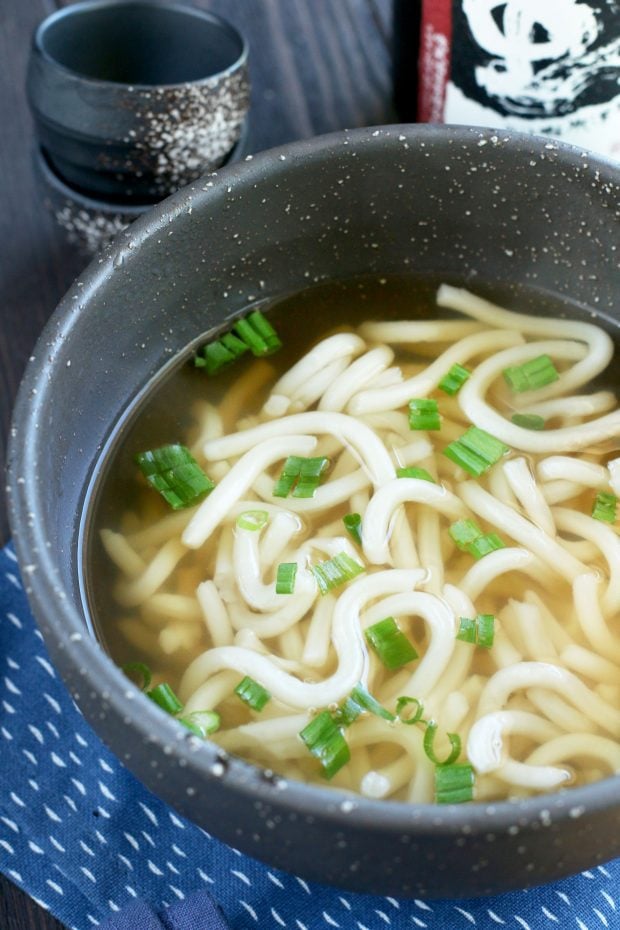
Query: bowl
[(463, 203), (133, 99)]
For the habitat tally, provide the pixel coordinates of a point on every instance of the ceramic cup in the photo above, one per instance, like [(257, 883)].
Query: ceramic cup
[(133, 99)]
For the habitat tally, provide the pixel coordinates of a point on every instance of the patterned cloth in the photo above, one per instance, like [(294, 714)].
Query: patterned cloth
[(81, 835)]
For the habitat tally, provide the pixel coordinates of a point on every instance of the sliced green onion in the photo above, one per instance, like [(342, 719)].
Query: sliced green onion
[(261, 325), (353, 526), (454, 784), (453, 381), (166, 698), (479, 630), (201, 722), (404, 702), (301, 475), (324, 739), (141, 670), (604, 507), (528, 420), (535, 373), (424, 414), (464, 532), (252, 694), (483, 545), (476, 451), (412, 471), (390, 643), (252, 519), (359, 701), (174, 472), (429, 745), (215, 356), (336, 571), (285, 577)]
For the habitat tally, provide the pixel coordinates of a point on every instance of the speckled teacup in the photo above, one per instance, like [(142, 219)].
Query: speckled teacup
[(133, 99)]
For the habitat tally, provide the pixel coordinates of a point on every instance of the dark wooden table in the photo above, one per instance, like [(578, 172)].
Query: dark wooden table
[(316, 66)]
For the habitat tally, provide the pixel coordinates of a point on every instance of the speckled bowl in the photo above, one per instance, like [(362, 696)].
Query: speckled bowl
[(133, 99), (464, 203)]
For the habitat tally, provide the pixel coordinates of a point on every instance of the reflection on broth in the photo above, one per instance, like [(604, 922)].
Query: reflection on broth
[(406, 580)]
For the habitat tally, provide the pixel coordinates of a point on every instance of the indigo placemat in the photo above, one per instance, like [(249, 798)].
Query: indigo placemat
[(84, 838)]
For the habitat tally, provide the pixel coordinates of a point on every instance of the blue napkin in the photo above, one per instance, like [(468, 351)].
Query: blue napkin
[(84, 838)]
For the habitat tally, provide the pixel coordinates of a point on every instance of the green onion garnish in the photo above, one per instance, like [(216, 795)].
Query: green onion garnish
[(166, 698), (535, 373), (464, 532), (358, 701), (528, 420), (454, 784), (409, 719), (252, 694), (390, 643), (336, 571), (301, 475), (325, 741), (604, 507), (483, 545), (353, 526), (173, 471), (429, 745), (424, 414), (201, 722), (412, 471), (453, 381), (252, 519), (140, 670), (476, 451), (254, 333), (479, 630), (285, 577)]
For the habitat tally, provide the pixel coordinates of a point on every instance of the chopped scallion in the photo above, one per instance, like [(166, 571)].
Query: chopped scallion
[(261, 325), (464, 532), (528, 420), (174, 472), (300, 475), (454, 784), (535, 373), (390, 643), (252, 519), (453, 381), (359, 701), (429, 745), (336, 571), (325, 741), (412, 471), (215, 356), (166, 698), (253, 332), (483, 545), (604, 507), (424, 414), (201, 722), (476, 451), (353, 526), (252, 694), (138, 670), (409, 718), (285, 577), (479, 630)]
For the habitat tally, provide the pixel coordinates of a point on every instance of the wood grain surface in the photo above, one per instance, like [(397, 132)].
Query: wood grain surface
[(316, 66)]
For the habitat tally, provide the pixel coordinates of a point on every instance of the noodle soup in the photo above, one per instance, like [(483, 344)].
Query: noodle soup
[(405, 580)]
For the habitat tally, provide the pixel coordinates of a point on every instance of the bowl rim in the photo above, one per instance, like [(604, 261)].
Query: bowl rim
[(125, 87), (63, 621)]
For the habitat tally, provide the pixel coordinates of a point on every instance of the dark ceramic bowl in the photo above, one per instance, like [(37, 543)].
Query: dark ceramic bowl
[(133, 98), (464, 203)]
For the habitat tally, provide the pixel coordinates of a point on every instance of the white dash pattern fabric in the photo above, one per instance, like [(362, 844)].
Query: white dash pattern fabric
[(84, 838)]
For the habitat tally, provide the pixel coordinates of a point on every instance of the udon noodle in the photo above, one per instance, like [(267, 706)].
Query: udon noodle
[(536, 710)]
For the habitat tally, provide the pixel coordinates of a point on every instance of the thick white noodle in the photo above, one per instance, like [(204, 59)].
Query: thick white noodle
[(487, 752), (359, 373), (607, 542), (529, 495), (412, 332), (237, 481), (325, 497), (347, 639), (578, 745), (590, 616), (315, 387), (422, 384), (215, 614), (566, 468), (510, 559)]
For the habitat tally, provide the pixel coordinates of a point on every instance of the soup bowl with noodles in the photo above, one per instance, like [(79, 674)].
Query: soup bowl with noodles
[(338, 491)]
